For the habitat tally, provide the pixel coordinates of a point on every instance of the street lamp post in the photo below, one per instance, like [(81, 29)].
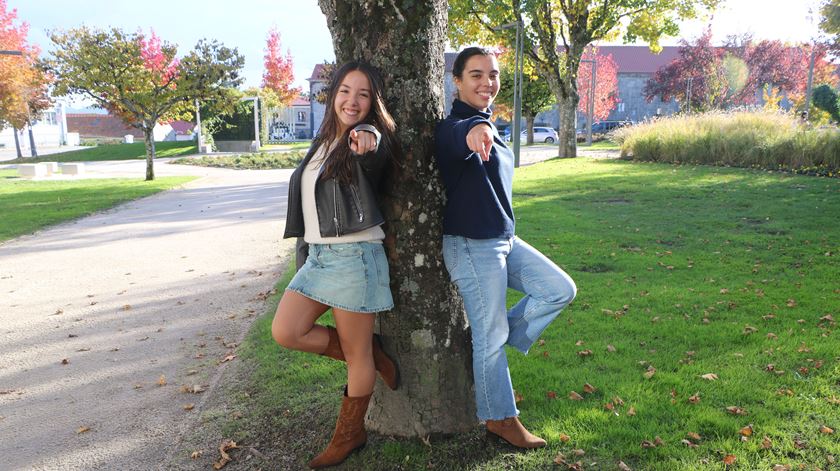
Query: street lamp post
[(517, 86)]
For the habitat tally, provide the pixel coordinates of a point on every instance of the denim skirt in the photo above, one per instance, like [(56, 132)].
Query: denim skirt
[(351, 276)]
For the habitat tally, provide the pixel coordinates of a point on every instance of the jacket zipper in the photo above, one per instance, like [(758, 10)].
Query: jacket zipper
[(358, 203), (335, 207)]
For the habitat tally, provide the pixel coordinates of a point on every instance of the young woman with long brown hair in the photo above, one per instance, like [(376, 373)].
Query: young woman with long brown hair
[(333, 210)]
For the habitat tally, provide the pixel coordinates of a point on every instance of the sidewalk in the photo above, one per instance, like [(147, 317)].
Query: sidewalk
[(114, 323)]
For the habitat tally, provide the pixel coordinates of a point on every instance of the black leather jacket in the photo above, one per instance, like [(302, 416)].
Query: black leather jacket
[(342, 209)]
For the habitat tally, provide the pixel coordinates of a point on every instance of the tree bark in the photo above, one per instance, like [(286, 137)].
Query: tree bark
[(149, 138), (17, 143), (568, 125), (529, 125), (426, 332), (32, 150)]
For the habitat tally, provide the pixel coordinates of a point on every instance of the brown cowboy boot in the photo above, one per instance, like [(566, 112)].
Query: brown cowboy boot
[(349, 432), (512, 431), (384, 365)]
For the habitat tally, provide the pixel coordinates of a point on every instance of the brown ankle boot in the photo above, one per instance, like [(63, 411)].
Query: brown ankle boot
[(512, 431), (349, 432), (382, 362)]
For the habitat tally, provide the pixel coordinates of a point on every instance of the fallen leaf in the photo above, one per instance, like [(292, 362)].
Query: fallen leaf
[(196, 389), (585, 353), (228, 358), (578, 452), (575, 396), (826, 430), (648, 444), (735, 410), (688, 443), (65, 361), (791, 303), (579, 343), (658, 441), (541, 342), (517, 396), (650, 372), (710, 376), (749, 330), (695, 398), (609, 406), (560, 459), (631, 411), (195, 455), (189, 406), (83, 429), (618, 401), (781, 467), (623, 467), (610, 348), (772, 336), (746, 431), (161, 381), (126, 307), (225, 458), (551, 395), (799, 444), (766, 443), (694, 436), (729, 459), (564, 438), (589, 389)]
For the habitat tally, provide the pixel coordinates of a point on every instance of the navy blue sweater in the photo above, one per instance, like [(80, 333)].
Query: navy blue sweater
[(478, 194)]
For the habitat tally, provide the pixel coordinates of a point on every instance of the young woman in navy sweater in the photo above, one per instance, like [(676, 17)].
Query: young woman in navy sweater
[(481, 251)]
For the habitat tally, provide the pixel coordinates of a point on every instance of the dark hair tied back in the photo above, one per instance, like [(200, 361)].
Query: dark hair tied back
[(464, 56)]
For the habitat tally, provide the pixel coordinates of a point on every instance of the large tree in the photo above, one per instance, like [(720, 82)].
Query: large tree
[(139, 78), (426, 331), (830, 24), (278, 75), (558, 31), (606, 83)]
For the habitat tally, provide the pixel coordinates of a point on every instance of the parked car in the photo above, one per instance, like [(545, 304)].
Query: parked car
[(541, 134), (603, 127)]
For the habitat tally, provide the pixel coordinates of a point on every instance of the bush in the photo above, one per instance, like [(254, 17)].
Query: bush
[(826, 99), (765, 140), (254, 161)]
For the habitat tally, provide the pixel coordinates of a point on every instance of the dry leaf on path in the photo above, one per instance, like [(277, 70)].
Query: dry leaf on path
[(225, 458), (83, 429), (161, 381), (196, 454), (189, 406)]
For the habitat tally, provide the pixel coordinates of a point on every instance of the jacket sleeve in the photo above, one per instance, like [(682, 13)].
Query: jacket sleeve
[(451, 138), (373, 162)]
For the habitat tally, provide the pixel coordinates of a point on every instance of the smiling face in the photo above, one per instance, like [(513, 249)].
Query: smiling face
[(478, 85), (352, 100)]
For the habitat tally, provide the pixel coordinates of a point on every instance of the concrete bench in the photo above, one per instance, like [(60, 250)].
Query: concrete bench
[(52, 167), (73, 169), (32, 170)]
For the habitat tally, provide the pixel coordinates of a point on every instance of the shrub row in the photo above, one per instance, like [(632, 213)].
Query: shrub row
[(255, 161), (774, 141)]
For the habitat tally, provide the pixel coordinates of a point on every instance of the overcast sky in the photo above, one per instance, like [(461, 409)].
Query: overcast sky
[(244, 24)]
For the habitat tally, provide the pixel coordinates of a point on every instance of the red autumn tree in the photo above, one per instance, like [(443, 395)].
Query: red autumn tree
[(278, 75), (606, 83), (23, 84)]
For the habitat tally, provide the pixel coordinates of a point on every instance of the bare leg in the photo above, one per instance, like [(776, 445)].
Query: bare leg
[(294, 323), (355, 330)]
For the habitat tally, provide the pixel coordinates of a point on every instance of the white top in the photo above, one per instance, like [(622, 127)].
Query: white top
[(312, 234)]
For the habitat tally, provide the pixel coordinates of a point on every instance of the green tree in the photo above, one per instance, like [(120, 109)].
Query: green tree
[(830, 23), (536, 95), (827, 99), (139, 78), (558, 31)]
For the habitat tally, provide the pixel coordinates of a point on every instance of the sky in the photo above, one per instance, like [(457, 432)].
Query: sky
[(304, 32)]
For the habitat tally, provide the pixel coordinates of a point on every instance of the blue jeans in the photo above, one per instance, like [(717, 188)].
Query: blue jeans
[(483, 269)]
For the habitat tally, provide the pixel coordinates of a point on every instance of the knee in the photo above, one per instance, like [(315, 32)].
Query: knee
[(357, 353), (283, 336), (565, 293)]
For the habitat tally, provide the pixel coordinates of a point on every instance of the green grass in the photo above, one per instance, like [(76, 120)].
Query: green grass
[(27, 206), (136, 150), (688, 270), (739, 139), (603, 144), (253, 161), (302, 145)]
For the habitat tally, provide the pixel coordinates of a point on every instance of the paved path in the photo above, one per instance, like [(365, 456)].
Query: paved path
[(106, 321)]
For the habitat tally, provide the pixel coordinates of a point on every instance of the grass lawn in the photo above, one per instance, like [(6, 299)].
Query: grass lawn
[(684, 272), (302, 145), (136, 150), (27, 206), (600, 145)]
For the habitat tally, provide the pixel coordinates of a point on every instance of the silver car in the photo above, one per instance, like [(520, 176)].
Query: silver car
[(541, 134)]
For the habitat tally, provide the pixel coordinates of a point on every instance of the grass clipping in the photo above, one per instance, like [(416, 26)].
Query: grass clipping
[(765, 140)]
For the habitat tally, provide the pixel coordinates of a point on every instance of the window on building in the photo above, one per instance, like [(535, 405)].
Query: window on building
[(621, 107), (301, 116), (49, 118)]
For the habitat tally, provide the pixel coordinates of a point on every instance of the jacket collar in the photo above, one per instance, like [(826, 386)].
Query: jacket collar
[(461, 110)]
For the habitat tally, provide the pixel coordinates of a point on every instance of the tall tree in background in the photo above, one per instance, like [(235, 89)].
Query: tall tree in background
[(558, 31), (426, 332), (279, 74), (606, 83), (23, 84), (830, 24), (140, 79), (536, 94)]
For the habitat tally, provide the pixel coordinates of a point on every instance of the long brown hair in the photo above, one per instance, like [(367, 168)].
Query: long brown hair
[(339, 162)]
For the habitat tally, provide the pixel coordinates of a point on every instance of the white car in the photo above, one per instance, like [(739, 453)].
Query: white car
[(541, 134)]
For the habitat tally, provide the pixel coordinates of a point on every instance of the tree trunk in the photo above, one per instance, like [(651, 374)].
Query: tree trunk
[(568, 125), (149, 138), (32, 150), (17, 143), (426, 331), (529, 125)]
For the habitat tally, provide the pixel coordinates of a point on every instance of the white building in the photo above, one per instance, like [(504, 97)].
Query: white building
[(50, 130)]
